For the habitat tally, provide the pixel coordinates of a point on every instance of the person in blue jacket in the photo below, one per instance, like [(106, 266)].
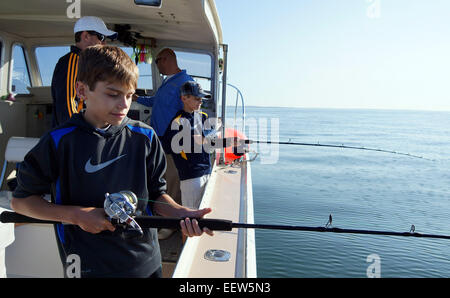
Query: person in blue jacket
[(165, 104)]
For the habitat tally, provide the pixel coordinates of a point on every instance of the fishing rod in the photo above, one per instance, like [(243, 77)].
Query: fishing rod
[(335, 146), (226, 225)]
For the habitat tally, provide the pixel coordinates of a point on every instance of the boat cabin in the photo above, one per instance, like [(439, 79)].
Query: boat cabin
[(35, 34)]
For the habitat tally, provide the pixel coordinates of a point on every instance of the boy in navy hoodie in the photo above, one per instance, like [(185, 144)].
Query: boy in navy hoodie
[(101, 151)]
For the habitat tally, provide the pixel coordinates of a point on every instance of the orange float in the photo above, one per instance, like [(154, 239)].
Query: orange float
[(230, 156)]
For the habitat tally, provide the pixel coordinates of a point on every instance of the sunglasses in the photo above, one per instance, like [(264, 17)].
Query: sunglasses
[(100, 37)]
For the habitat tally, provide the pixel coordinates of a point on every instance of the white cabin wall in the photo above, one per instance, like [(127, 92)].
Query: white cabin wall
[(13, 120), (5, 63)]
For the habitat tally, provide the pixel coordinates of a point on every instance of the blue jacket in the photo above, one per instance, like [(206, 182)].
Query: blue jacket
[(139, 165), (190, 164), (166, 102)]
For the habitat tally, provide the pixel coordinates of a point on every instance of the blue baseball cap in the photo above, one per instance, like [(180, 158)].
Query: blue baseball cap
[(193, 88)]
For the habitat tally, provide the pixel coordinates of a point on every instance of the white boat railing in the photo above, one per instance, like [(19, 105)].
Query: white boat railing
[(238, 95)]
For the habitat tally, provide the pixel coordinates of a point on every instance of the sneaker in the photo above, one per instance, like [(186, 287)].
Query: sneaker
[(165, 233)]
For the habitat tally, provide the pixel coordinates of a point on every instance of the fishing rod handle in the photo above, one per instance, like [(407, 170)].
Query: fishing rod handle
[(143, 221), (174, 223), (13, 217)]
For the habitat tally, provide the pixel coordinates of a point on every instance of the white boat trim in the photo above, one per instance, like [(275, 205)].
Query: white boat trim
[(239, 243), (213, 20), (185, 262), (251, 270), (223, 198)]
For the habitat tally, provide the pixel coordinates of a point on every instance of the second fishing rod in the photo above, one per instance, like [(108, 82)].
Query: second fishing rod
[(342, 146)]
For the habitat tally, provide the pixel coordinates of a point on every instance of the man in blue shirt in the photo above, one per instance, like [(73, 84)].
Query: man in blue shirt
[(167, 100), (166, 103)]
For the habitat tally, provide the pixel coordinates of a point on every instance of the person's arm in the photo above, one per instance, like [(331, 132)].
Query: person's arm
[(166, 206), (63, 88), (35, 176), (146, 100), (211, 136), (211, 144), (89, 219)]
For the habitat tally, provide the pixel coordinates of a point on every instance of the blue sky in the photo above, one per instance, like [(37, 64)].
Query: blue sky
[(384, 54)]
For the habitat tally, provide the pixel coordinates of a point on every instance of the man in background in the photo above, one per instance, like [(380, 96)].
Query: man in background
[(88, 31)]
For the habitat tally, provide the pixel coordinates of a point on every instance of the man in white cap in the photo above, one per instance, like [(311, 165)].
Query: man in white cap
[(88, 31)]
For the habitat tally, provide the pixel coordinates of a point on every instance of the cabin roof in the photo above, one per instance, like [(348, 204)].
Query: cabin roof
[(194, 21)]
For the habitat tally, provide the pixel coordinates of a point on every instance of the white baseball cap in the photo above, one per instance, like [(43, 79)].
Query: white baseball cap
[(93, 24)]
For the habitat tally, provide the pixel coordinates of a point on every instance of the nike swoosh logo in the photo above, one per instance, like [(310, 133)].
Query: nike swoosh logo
[(90, 168)]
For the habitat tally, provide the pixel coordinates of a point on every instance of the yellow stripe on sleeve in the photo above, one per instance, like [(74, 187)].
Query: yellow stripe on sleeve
[(178, 119), (72, 84), (68, 90)]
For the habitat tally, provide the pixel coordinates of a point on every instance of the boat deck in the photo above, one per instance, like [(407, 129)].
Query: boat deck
[(223, 194), (170, 252)]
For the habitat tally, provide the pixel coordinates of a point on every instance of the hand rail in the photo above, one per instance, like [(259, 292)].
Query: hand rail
[(238, 94)]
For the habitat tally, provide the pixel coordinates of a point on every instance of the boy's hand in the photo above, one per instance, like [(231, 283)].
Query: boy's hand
[(190, 227), (93, 220)]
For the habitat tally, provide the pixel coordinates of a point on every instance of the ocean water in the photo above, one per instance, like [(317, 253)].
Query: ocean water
[(361, 189)]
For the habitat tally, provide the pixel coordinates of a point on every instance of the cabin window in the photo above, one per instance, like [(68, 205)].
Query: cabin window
[(156, 3), (197, 65), (145, 71), (47, 57), (20, 73)]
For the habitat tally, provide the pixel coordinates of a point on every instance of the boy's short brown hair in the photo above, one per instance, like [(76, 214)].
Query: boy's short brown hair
[(106, 63)]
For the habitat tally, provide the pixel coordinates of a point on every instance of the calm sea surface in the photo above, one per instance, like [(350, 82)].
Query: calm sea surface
[(300, 185)]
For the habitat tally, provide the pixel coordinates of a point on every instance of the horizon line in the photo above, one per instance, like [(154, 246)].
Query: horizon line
[(348, 108)]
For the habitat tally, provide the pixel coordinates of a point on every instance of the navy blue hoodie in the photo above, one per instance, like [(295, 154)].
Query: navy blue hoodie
[(190, 164), (79, 164)]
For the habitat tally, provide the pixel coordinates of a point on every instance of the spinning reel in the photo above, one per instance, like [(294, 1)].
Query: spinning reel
[(121, 208)]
